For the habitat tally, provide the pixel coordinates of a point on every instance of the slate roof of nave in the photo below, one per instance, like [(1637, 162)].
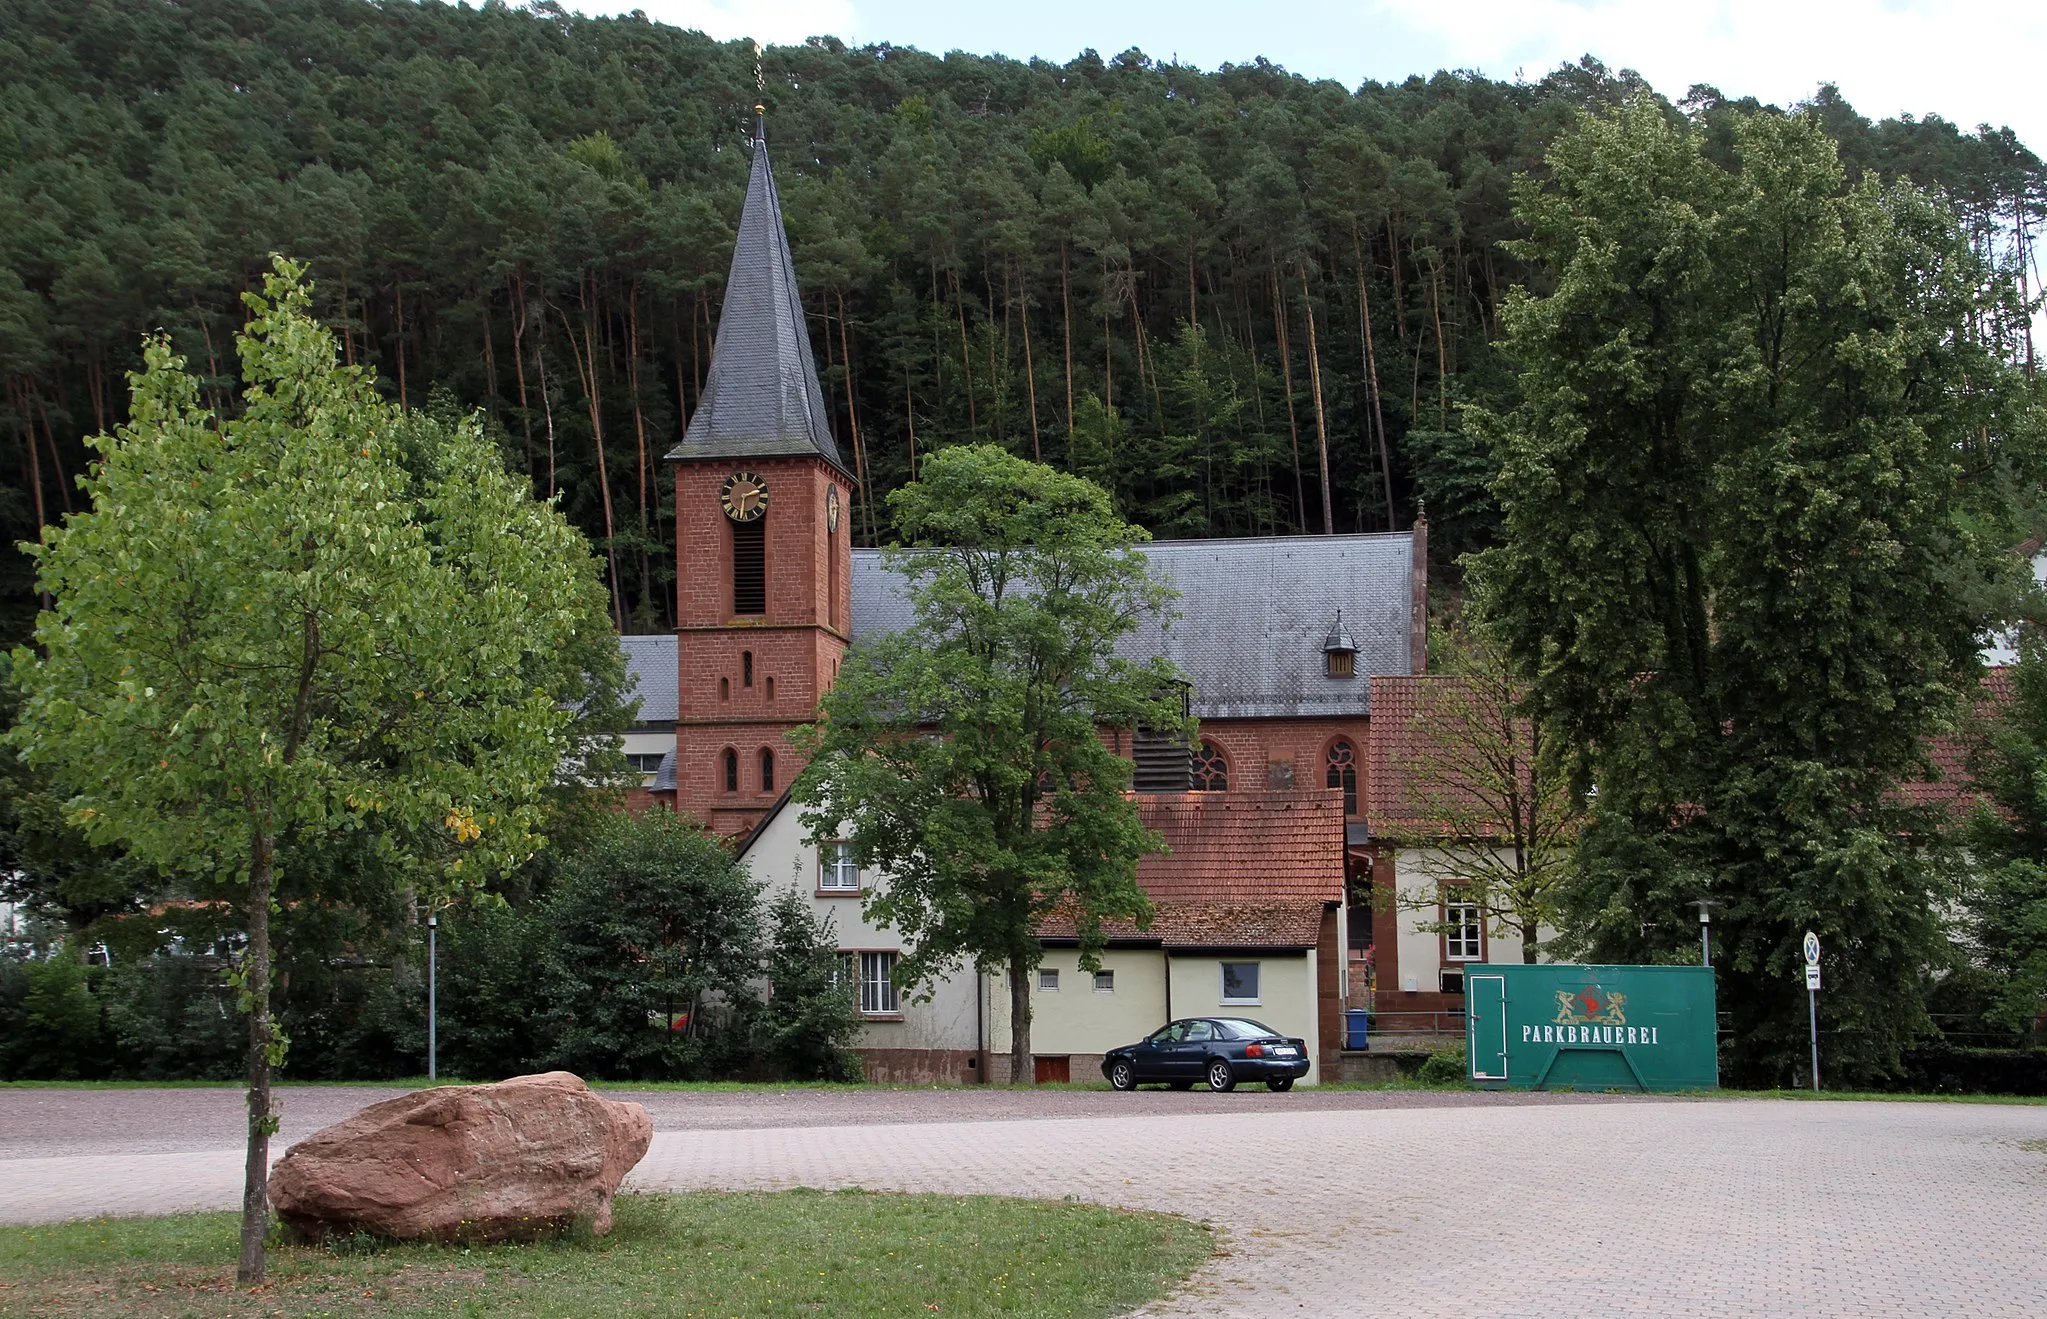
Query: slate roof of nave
[(1252, 617)]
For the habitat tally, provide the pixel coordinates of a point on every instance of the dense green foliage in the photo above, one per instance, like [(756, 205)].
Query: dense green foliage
[(2008, 845), (1760, 406), (963, 757), (808, 1025), (532, 211), (656, 924)]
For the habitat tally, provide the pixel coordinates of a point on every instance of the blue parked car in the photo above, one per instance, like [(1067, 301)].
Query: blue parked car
[(1218, 1050)]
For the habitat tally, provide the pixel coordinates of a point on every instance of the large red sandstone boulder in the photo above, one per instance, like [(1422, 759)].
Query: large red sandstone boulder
[(466, 1162)]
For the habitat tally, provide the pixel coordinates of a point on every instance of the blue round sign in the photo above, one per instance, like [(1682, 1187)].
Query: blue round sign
[(1812, 949)]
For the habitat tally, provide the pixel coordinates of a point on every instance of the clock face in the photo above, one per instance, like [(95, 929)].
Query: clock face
[(744, 496), (831, 508)]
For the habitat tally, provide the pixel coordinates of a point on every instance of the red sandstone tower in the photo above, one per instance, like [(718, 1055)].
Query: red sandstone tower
[(763, 540)]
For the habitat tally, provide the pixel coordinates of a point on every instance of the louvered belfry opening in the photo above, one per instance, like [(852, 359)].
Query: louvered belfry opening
[(750, 567), (1164, 762)]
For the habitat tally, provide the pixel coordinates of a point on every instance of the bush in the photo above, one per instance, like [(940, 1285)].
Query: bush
[(1445, 1067), (657, 948), (1945, 1069), (810, 1018)]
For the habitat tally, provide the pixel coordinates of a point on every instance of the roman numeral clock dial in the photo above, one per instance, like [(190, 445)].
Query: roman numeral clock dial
[(744, 496)]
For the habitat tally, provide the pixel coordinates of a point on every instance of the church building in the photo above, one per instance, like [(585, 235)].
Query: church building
[(1264, 898)]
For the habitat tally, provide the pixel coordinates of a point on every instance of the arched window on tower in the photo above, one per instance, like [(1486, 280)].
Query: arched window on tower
[(767, 769), (1211, 769), (724, 689), (1343, 772), (731, 770), (746, 668)]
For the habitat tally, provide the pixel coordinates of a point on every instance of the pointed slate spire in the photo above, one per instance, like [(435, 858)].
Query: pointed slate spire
[(762, 398)]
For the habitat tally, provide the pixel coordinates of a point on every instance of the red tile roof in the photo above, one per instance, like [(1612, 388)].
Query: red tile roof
[(1951, 787), (1246, 870), (1416, 721), (1193, 923), (1245, 846)]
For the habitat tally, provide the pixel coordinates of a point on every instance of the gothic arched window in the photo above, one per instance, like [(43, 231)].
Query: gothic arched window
[(1343, 772), (731, 770), (1211, 769), (767, 770)]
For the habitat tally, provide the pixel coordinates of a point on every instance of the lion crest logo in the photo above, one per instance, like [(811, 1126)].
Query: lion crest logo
[(1591, 1006)]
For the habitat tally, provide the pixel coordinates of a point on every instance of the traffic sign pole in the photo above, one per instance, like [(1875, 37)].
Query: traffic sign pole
[(1812, 1001)]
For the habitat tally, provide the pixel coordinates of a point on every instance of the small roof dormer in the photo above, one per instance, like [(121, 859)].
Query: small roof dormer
[(1339, 652)]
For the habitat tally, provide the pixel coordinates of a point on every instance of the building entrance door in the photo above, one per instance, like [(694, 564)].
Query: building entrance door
[(1485, 999)]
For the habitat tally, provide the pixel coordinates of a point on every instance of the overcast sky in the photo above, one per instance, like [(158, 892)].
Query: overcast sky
[(1971, 61)]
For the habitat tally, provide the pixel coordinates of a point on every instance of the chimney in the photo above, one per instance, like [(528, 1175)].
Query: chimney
[(1418, 627)]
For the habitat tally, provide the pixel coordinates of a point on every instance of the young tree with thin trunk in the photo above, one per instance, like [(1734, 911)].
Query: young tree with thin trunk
[(1488, 803), (963, 757), (319, 618)]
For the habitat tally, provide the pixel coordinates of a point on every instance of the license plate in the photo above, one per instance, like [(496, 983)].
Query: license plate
[(1284, 1053)]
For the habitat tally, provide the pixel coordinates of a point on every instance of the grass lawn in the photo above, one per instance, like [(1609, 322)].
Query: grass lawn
[(849, 1253)]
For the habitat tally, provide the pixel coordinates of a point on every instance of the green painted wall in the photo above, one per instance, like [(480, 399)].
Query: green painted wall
[(1570, 1027)]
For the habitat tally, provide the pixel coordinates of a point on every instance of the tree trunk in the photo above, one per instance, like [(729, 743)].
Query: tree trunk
[(959, 302), (1529, 931), (398, 294), (1321, 419), (1030, 371), (853, 422), (519, 364), (1442, 353), (585, 359), (256, 985), (1066, 308), (640, 437), (1357, 248), (1293, 428), (1020, 1071)]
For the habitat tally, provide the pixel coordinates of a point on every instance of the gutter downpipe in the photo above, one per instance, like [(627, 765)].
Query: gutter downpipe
[(980, 1026)]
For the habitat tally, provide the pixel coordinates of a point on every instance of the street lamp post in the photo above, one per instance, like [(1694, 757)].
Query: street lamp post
[(432, 1014), (1705, 907)]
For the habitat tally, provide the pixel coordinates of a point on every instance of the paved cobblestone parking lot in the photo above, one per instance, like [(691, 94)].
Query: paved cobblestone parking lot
[(1393, 1204)]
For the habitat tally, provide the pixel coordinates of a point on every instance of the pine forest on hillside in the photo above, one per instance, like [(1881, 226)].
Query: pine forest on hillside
[(1203, 289)]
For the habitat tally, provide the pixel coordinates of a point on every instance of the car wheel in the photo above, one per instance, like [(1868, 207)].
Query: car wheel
[(1122, 1075), (1280, 1085), (1180, 1085), (1220, 1078)]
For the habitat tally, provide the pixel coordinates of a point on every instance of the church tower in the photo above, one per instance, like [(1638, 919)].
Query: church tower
[(763, 543)]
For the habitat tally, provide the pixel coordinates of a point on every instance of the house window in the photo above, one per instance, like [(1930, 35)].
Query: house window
[(836, 870), (731, 770), (1342, 663), (767, 770), (1048, 981), (1105, 982), (1461, 925), (750, 567), (1240, 982), (1343, 772), (877, 984), (746, 668), (1211, 770)]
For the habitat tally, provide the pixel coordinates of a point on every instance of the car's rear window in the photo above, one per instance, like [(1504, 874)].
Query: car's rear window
[(1241, 1028)]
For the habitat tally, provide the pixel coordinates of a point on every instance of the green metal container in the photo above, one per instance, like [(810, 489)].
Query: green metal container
[(1570, 1027)]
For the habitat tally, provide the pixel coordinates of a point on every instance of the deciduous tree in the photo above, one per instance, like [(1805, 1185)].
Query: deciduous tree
[(1731, 556), (267, 633), (964, 756)]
